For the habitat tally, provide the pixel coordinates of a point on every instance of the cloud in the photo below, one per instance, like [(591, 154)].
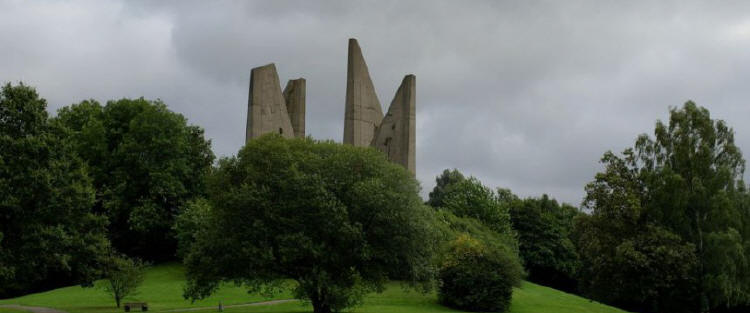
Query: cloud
[(524, 95)]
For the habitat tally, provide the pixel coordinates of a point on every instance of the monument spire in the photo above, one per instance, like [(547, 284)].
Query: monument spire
[(266, 107), (397, 133), (363, 112), (294, 95)]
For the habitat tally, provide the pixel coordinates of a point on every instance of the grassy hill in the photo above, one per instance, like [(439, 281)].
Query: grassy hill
[(162, 289)]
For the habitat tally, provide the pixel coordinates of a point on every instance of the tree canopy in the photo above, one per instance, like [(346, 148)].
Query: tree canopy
[(667, 228), (470, 198), (336, 219), (443, 185), (48, 234), (544, 227), (146, 162)]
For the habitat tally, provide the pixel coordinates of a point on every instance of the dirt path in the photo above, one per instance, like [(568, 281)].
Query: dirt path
[(215, 307), (33, 309)]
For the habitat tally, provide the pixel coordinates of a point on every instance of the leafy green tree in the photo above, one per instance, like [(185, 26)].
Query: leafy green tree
[(672, 205), (478, 264), (548, 253), (49, 235), (626, 260), (450, 227), (470, 198), (335, 218), (146, 162), (443, 185), (189, 222), (122, 277), (645, 269)]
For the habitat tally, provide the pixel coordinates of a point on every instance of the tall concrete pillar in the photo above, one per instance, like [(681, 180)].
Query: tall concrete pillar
[(294, 95), (396, 135), (266, 107), (363, 112)]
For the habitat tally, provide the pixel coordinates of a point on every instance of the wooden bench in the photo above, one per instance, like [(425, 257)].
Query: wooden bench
[(133, 305)]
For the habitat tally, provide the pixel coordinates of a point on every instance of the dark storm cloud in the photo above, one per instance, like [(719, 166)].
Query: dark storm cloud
[(525, 95)]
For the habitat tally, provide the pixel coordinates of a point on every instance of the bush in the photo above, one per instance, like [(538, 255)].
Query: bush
[(476, 278)]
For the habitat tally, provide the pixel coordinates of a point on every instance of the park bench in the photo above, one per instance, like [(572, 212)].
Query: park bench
[(133, 305)]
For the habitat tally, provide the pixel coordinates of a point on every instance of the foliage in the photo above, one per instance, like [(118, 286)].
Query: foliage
[(667, 220), (475, 277), (443, 185), (187, 224), (49, 237), (146, 163), (650, 270), (335, 218), (122, 277), (481, 282), (451, 227), (469, 198), (543, 228)]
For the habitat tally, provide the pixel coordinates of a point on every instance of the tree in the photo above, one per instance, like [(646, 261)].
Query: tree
[(644, 269), (335, 218), (543, 228), (187, 224), (122, 277), (146, 163), (50, 237), (443, 185), (470, 198), (675, 201), (451, 227), (479, 262)]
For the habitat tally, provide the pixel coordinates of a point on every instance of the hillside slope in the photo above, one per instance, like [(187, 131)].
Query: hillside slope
[(162, 289)]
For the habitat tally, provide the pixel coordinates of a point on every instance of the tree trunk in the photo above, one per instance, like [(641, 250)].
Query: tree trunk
[(321, 308), (704, 304), (320, 305)]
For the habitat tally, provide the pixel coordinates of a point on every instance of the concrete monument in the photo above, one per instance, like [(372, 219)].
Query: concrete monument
[(364, 124), (396, 134), (294, 95), (267, 107), (272, 111), (362, 113)]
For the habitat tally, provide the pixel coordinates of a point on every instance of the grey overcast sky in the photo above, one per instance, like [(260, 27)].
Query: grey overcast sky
[(525, 95)]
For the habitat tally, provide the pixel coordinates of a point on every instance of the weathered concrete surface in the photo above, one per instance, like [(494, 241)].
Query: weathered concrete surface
[(272, 111), (396, 135), (294, 95), (266, 105), (363, 112)]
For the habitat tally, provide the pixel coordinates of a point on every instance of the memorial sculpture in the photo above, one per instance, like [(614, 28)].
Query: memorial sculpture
[(269, 110), (272, 111)]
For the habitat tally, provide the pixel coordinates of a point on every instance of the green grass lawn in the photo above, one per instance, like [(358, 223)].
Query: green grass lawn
[(162, 289), (9, 310)]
